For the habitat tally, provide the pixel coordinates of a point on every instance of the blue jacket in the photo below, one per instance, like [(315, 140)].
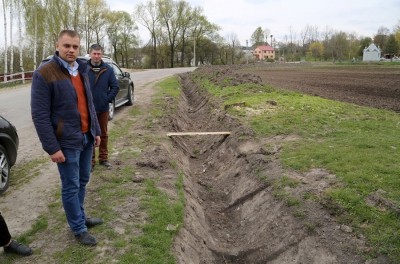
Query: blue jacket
[(104, 86), (54, 106)]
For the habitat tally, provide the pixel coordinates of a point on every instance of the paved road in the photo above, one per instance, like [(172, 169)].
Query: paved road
[(15, 106)]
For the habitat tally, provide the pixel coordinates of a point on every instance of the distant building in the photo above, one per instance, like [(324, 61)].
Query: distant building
[(372, 53), (264, 52)]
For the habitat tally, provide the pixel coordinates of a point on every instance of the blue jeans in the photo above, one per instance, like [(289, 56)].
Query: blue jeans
[(75, 174)]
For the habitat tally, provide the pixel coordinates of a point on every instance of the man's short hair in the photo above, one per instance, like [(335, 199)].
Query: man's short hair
[(96, 47), (71, 33)]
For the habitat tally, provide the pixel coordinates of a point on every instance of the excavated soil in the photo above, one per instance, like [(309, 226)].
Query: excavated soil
[(233, 212)]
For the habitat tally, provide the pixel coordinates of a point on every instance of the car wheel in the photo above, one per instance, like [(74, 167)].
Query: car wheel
[(130, 95), (4, 170), (111, 109)]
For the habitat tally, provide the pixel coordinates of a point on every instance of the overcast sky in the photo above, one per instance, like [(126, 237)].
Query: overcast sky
[(242, 17)]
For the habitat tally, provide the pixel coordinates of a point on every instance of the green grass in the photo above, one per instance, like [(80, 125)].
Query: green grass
[(359, 145), (154, 245)]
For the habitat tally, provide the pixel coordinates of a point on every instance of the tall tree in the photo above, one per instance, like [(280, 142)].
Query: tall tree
[(187, 17), (201, 29), (93, 20), (340, 45), (391, 46), (258, 37), (381, 37), (147, 15), (233, 44), (127, 38), (317, 50), (113, 20), (4, 3), (20, 40), (11, 36), (171, 14), (396, 31)]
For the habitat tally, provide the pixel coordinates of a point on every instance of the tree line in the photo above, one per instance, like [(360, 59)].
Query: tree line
[(329, 44), (180, 35)]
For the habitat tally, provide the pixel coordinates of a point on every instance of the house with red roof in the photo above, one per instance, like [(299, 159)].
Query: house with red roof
[(264, 53)]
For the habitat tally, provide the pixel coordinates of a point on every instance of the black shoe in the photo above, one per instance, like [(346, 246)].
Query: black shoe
[(86, 239), (105, 163), (90, 222), (18, 248)]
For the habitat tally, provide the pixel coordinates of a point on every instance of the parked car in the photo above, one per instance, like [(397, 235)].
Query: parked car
[(9, 143), (125, 94)]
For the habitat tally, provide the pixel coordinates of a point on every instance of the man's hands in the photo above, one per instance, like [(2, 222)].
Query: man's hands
[(59, 157), (97, 141)]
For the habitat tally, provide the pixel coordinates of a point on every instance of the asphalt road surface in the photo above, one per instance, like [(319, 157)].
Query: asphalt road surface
[(15, 106)]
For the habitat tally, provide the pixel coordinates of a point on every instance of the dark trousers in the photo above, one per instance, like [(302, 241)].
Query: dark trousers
[(103, 148), (5, 235)]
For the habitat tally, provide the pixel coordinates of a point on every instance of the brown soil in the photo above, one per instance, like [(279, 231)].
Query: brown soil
[(365, 85), (233, 213)]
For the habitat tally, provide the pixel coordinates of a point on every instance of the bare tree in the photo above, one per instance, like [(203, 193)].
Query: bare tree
[(4, 2), (92, 21), (20, 41), (146, 15), (233, 43), (11, 37), (304, 34), (171, 16)]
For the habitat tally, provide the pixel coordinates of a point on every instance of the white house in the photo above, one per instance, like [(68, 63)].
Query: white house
[(372, 53)]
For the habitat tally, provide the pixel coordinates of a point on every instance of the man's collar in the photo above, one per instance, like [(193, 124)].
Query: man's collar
[(94, 64), (73, 70)]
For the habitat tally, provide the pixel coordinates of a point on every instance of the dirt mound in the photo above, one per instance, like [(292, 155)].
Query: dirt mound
[(235, 211), (228, 76)]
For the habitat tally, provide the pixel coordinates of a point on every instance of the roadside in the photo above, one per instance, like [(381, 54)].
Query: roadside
[(241, 204), (34, 199)]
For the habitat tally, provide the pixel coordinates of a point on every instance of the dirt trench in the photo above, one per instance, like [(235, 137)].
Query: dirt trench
[(233, 213)]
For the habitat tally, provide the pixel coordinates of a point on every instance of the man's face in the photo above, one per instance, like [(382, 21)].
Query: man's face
[(68, 48), (96, 56)]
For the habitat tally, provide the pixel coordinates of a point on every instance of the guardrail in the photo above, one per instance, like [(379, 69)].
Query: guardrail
[(16, 77)]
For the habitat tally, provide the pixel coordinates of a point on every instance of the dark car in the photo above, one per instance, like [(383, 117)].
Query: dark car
[(9, 142), (126, 86)]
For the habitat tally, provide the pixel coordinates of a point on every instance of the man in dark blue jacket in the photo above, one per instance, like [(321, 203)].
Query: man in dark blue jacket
[(65, 120), (104, 86)]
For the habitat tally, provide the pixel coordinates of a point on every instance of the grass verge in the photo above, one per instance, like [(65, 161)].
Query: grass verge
[(140, 219)]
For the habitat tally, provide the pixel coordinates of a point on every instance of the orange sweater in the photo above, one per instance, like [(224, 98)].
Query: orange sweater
[(82, 102)]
